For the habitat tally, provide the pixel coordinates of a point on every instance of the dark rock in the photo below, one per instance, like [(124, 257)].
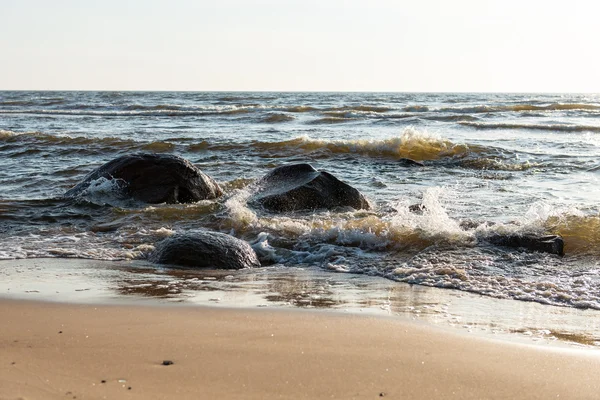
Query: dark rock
[(470, 224), (407, 162), (154, 178), (417, 208), (167, 362), (205, 249), (552, 244), (301, 187)]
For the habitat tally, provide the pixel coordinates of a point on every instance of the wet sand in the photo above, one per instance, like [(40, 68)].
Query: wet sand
[(139, 283), (66, 351)]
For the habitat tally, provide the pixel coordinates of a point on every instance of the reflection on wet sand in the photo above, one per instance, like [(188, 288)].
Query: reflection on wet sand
[(87, 281)]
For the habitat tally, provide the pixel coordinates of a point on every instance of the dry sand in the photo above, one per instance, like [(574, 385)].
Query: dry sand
[(63, 351)]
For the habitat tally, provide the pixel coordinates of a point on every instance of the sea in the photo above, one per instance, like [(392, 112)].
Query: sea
[(490, 164)]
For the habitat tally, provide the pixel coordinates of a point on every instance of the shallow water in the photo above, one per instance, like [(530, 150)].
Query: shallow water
[(493, 163), (309, 288)]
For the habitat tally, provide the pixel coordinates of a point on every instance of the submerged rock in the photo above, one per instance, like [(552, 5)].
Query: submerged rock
[(552, 244), (205, 249), (154, 178), (301, 187)]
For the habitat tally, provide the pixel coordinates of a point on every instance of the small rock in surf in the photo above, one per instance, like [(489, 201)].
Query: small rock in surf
[(205, 249)]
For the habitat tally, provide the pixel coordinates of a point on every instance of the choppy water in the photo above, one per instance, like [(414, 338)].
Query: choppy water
[(494, 163)]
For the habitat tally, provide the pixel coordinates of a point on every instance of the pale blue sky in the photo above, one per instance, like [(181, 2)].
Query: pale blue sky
[(329, 45)]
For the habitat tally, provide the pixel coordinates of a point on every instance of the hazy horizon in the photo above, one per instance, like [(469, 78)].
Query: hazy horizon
[(291, 91), (300, 46)]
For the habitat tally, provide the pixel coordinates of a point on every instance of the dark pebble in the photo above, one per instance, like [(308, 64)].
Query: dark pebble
[(59, 331), (129, 388), (102, 381), (381, 394), (167, 362)]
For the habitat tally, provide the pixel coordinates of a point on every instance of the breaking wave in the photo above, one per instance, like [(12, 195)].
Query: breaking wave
[(548, 127), (523, 108), (138, 110), (84, 144), (411, 144), (275, 118), (580, 232), (361, 108), (331, 120), (300, 109)]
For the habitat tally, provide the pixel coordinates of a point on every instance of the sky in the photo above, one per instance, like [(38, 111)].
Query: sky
[(301, 45)]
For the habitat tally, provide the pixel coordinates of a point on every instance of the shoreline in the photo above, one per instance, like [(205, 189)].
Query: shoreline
[(57, 350), (130, 283)]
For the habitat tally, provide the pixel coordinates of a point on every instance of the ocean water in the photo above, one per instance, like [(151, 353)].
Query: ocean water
[(493, 164)]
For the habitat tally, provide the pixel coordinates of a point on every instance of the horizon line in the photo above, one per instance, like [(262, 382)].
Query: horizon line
[(299, 91)]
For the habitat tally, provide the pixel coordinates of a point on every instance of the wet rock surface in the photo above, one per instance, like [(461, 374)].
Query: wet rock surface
[(205, 249), (300, 187), (154, 178)]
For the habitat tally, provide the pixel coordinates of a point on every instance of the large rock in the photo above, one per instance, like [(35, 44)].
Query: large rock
[(154, 178), (301, 187), (205, 249), (548, 243)]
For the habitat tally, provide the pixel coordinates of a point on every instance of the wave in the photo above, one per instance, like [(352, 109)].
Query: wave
[(522, 108), (4, 134), (174, 110), (299, 109), (495, 164), (203, 145), (332, 117), (136, 111), (401, 230), (411, 144), (580, 233), (157, 147), (39, 102), (416, 108), (82, 143), (549, 127), (158, 107), (17, 103), (451, 118), (245, 98), (361, 108), (331, 120), (275, 118), (9, 136)]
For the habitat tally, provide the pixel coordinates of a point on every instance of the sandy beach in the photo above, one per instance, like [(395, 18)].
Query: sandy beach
[(58, 351)]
